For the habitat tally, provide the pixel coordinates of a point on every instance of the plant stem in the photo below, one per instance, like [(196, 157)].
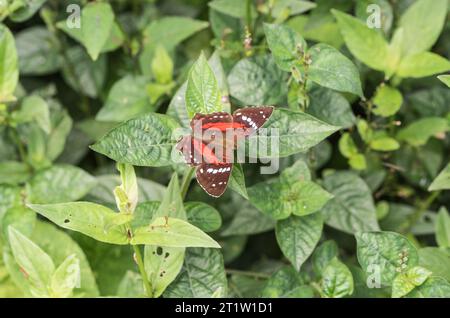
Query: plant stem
[(186, 182), (419, 212), (248, 15), (247, 273), (140, 263)]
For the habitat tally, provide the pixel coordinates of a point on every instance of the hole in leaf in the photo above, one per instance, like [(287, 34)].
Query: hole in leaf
[(159, 250)]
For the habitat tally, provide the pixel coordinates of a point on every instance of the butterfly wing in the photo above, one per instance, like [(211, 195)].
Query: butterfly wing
[(191, 150), (250, 119), (219, 120), (213, 178)]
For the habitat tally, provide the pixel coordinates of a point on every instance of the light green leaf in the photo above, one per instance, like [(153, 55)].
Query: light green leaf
[(202, 274), (19, 217), (162, 265), (442, 226), (445, 79), (422, 65), (387, 100), (258, 81), (286, 46), (203, 216), (330, 68), (34, 108), (37, 52), (384, 144), (142, 141), (297, 237), (442, 181), (131, 286), (66, 277), (97, 19), (374, 52), (14, 172), (9, 73), (286, 283), (88, 218), (172, 232), (323, 255), (237, 180), (126, 99), (35, 263), (129, 187), (234, 8), (352, 209), (422, 24), (299, 171), (405, 282), (337, 280), (202, 92), (162, 66), (436, 260), (280, 199), (434, 287), (418, 133), (27, 11), (60, 183), (390, 251), (290, 132)]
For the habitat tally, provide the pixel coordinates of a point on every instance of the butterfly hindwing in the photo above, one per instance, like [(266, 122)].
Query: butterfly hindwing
[(252, 118), (191, 150), (213, 178)]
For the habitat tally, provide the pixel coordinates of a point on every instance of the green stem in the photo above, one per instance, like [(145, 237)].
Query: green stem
[(419, 212), (186, 182), (248, 15), (140, 263)]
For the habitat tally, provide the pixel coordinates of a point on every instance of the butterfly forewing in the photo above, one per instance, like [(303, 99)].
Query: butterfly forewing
[(213, 178), (251, 118), (220, 121), (191, 150)]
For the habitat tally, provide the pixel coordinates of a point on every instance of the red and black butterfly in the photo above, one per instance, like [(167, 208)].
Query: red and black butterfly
[(210, 146)]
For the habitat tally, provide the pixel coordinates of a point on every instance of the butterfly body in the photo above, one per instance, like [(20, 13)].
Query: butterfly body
[(214, 137)]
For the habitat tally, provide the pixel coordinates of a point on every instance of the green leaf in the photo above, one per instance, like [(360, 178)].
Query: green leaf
[(237, 180), (234, 8), (34, 108), (168, 32), (406, 282), (442, 181), (299, 171), (27, 11), (387, 100), (391, 252), (88, 218), (445, 79), (61, 128), (374, 52), (14, 172), (202, 92), (126, 99), (172, 203), (143, 141), (19, 217), (9, 73), (162, 265), (352, 209), (418, 133), (422, 65), (384, 144), (66, 277), (286, 283), (202, 274), (247, 220), (434, 287), (442, 226), (81, 66), (422, 24), (60, 183), (33, 261), (286, 45), (162, 66), (436, 260), (337, 280), (330, 68), (331, 107), (203, 216), (280, 199), (129, 188), (323, 255), (172, 232), (97, 19), (37, 52), (258, 81), (131, 286), (290, 132), (297, 237)]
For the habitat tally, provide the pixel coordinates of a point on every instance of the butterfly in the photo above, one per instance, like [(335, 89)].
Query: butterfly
[(214, 137)]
